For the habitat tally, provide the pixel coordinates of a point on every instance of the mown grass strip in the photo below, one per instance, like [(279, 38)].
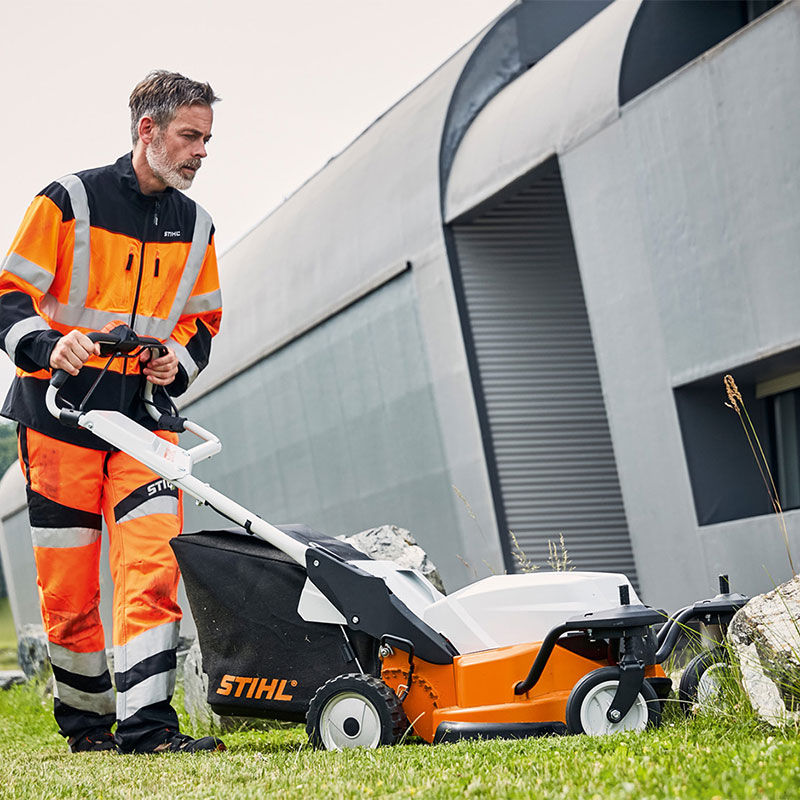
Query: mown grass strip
[(709, 757)]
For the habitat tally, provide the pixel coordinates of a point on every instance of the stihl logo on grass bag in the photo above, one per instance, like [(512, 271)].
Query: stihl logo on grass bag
[(257, 688)]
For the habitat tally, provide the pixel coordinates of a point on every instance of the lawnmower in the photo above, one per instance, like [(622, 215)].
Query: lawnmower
[(296, 625)]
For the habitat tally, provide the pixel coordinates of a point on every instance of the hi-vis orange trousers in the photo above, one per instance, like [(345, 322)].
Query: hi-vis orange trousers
[(68, 489)]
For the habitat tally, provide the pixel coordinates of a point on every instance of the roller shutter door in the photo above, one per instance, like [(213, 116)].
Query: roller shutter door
[(542, 403)]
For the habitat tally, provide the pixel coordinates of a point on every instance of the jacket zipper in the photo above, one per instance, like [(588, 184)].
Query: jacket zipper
[(141, 264)]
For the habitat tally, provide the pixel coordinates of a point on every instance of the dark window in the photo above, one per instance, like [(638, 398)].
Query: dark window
[(665, 35), (723, 466), (783, 414)]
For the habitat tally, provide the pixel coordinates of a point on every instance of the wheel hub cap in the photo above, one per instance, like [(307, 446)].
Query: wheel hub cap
[(349, 720), (596, 705)]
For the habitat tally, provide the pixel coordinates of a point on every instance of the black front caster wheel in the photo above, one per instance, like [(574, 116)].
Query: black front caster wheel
[(354, 711), (592, 696), (703, 680)]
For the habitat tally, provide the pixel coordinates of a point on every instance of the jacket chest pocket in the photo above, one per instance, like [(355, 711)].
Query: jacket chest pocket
[(112, 274), (161, 276)]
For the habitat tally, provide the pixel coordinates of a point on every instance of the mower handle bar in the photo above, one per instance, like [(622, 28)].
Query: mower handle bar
[(111, 344)]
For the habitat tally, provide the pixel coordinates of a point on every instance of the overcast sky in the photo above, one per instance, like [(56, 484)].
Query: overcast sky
[(299, 80)]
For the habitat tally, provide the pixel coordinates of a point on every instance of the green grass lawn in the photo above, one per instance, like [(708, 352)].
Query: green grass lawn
[(725, 757)]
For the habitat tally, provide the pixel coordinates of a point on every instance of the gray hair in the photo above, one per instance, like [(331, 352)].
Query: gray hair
[(161, 93)]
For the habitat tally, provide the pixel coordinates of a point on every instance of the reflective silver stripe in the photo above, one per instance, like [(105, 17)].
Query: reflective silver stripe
[(154, 326), (79, 280), (100, 702), (150, 690), (157, 505), (64, 537), (197, 254), (185, 360), (20, 329), (38, 277), (155, 640), (78, 316), (203, 302), (90, 664)]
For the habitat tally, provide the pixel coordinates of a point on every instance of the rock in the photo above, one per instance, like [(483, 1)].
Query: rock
[(195, 694), (392, 543), (11, 677), (32, 651), (185, 644), (765, 635), (195, 691)]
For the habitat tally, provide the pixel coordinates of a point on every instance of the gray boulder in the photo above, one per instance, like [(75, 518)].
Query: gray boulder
[(195, 691), (32, 651), (392, 543), (195, 694), (11, 677), (765, 635)]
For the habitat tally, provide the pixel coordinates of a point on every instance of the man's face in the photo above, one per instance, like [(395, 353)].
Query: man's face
[(176, 152)]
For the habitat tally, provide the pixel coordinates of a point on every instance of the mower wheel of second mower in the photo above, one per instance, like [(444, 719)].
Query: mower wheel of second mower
[(592, 696), (704, 679), (354, 711)]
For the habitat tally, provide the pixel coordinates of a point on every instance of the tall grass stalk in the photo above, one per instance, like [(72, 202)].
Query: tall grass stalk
[(558, 558), (523, 562), (736, 402)]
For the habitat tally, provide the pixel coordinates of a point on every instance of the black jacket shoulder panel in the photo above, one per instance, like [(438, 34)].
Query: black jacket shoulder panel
[(60, 196)]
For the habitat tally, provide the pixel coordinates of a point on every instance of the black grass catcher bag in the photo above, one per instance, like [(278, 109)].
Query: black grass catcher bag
[(261, 657)]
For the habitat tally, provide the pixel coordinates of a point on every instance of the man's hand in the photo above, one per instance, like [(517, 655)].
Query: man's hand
[(72, 351), (161, 370)]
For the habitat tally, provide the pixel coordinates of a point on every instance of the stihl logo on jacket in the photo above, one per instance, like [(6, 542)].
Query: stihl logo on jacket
[(258, 688)]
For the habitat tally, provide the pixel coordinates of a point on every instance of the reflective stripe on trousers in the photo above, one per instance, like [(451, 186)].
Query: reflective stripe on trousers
[(69, 488)]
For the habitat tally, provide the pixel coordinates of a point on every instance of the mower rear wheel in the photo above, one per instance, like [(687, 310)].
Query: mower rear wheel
[(592, 696), (703, 679), (354, 711)]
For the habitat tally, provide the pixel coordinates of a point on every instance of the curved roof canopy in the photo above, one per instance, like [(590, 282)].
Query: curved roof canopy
[(579, 87)]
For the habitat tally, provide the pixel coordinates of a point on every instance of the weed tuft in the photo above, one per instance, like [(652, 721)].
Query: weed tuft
[(737, 404)]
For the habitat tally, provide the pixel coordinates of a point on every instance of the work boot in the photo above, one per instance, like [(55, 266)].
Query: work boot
[(174, 742), (93, 742)]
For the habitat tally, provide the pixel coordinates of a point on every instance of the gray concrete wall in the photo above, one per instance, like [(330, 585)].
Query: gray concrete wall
[(685, 217), (16, 549), (339, 430), (373, 208)]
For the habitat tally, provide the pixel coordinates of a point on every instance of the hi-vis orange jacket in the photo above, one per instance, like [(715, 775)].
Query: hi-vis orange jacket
[(93, 250)]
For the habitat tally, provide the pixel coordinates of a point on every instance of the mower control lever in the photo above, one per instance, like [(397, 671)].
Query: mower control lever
[(114, 343), (122, 342)]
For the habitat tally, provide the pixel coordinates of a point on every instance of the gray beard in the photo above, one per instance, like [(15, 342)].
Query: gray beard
[(163, 169)]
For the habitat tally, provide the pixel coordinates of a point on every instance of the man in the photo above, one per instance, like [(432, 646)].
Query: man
[(110, 246)]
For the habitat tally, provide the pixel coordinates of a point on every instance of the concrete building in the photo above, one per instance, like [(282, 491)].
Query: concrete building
[(509, 304)]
